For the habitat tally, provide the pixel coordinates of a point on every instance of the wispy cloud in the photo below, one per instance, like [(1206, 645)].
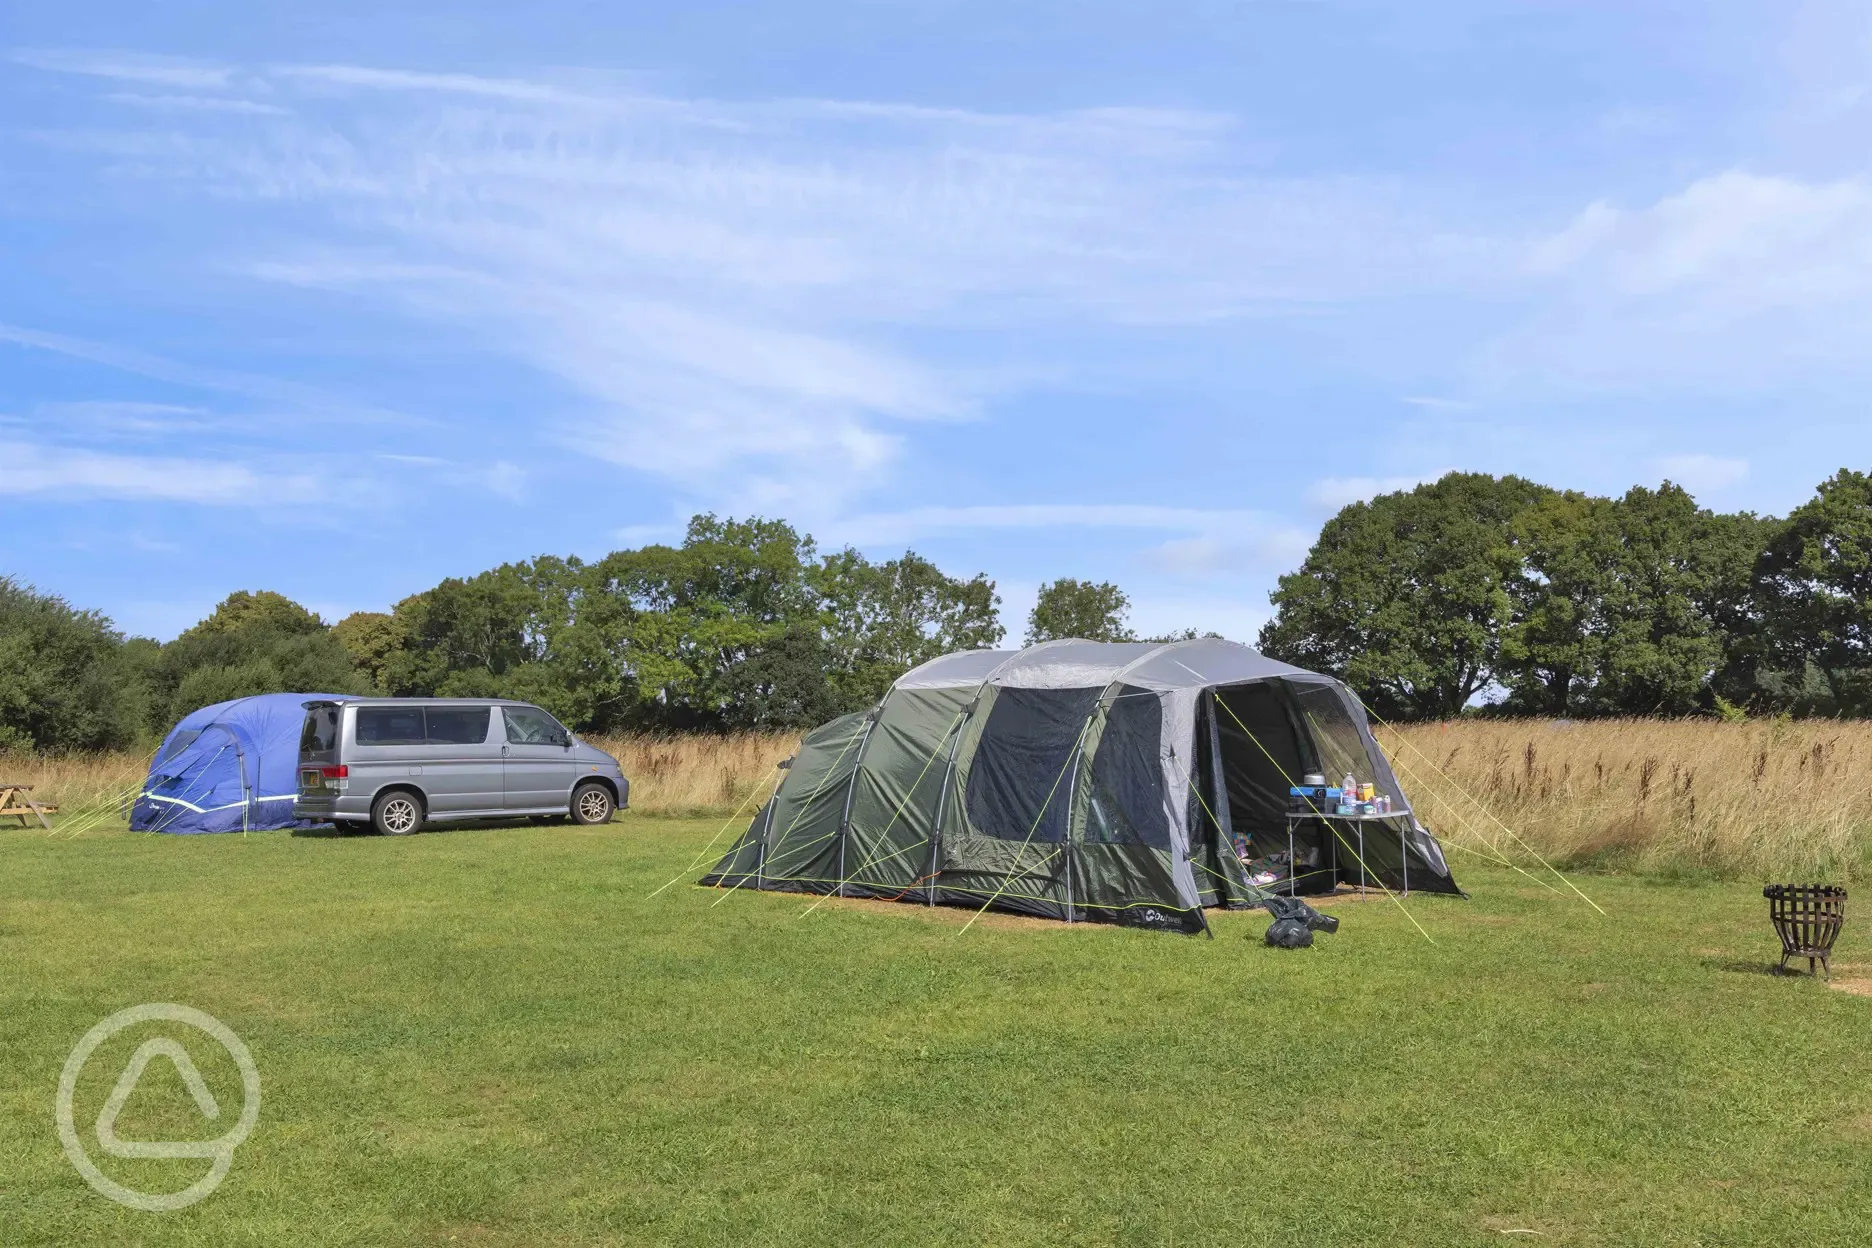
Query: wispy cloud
[(1736, 279), (128, 67), (739, 297), (287, 394), (67, 472), (196, 104)]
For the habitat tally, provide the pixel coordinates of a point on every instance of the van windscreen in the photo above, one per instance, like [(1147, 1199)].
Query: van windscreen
[(318, 740)]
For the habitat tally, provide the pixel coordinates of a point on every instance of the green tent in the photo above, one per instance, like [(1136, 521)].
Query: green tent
[(1132, 783)]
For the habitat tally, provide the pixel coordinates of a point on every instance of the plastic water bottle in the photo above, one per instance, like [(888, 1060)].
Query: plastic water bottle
[(1349, 787)]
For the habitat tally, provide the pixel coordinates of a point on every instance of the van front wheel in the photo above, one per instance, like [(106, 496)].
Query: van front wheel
[(591, 803), (396, 814)]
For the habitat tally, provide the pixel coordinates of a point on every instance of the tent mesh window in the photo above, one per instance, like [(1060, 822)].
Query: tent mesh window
[(1341, 744), (1017, 781), (1127, 797)]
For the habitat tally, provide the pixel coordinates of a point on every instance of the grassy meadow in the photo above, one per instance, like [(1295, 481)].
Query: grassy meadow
[(500, 1036)]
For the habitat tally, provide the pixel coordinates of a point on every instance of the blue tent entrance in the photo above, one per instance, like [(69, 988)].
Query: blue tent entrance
[(231, 767)]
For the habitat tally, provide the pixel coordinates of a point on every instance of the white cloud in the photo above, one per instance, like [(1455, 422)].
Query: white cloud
[(65, 472), (1737, 279), (196, 104), (728, 291), (127, 67), (1332, 493), (300, 399), (1698, 472), (407, 80), (1436, 404)]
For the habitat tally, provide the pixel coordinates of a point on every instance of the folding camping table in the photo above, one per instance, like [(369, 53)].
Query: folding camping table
[(1356, 825), (13, 801)]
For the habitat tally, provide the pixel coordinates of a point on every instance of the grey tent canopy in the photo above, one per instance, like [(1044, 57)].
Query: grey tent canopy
[(1082, 780)]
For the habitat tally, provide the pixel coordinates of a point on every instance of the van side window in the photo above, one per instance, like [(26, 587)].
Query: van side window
[(526, 726), (457, 725), (390, 725)]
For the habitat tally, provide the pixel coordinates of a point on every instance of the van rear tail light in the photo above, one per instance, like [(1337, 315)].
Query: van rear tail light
[(339, 772)]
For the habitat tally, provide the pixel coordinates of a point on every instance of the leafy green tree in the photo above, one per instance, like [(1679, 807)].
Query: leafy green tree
[(373, 640), (676, 620), (1406, 597), (882, 619), (1814, 592), (67, 679), (1088, 610), (252, 643), (1626, 606), (782, 684)]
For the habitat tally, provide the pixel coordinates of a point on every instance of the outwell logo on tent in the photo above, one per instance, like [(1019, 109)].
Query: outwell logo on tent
[(219, 1151)]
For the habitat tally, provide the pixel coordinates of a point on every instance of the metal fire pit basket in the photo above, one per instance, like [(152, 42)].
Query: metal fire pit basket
[(1807, 918)]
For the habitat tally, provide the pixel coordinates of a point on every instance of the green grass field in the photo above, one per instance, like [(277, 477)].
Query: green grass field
[(491, 1036)]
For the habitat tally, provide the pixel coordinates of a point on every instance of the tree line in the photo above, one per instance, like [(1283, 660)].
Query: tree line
[(1472, 594), (743, 625), (1536, 601)]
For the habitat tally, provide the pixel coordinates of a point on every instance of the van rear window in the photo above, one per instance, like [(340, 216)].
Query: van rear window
[(319, 738), (390, 725)]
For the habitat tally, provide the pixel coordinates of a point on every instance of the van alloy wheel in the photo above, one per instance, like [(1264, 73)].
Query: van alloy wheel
[(591, 804), (396, 814)]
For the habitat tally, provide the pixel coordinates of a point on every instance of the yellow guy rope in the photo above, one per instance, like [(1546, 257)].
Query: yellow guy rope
[(1474, 801), (1495, 855), (807, 804), (696, 861), (928, 763)]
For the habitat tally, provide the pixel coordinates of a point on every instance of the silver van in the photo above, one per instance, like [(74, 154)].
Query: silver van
[(398, 763)]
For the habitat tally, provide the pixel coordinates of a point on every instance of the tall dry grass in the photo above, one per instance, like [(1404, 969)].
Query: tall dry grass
[(80, 785), (668, 775), (1763, 798), (1766, 798), (693, 775)]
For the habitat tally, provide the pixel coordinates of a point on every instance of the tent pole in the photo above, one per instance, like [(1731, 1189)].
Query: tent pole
[(1072, 788), (1219, 783), (760, 848)]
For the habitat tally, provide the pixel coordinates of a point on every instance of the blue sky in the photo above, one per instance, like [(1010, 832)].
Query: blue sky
[(339, 302)]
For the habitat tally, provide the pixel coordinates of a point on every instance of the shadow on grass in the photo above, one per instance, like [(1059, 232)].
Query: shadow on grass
[(327, 831), (1744, 966)]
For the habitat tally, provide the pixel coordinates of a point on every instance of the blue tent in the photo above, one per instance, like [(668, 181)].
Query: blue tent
[(231, 767)]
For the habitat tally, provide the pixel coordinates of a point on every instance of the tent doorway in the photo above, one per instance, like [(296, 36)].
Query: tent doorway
[(1257, 745)]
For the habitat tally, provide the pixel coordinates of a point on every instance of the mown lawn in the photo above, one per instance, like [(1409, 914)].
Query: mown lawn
[(492, 1036)]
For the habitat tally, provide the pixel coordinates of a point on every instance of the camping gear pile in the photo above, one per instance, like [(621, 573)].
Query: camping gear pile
[(1081, 781)]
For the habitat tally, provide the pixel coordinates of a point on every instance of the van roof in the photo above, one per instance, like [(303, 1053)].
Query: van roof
[(366, 700)]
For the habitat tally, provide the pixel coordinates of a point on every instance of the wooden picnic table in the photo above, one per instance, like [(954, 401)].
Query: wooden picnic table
[(14, 801)]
